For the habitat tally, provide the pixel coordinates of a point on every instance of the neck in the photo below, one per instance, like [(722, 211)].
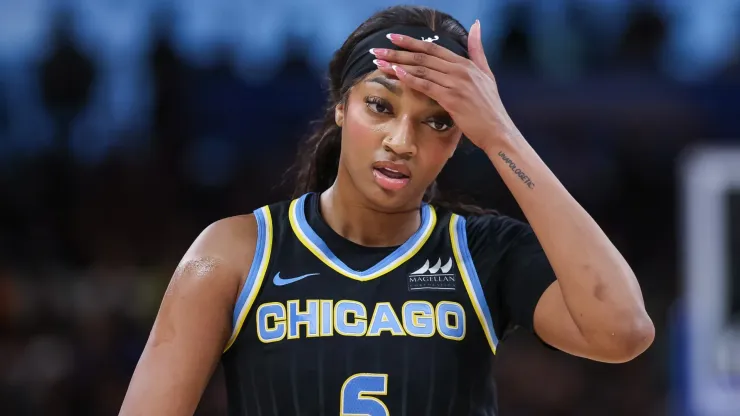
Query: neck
[(357, 221)]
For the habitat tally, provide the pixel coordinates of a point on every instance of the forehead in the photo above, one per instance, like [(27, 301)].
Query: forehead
[(379, 79)]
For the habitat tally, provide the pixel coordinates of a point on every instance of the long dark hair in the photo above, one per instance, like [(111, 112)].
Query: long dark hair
[(317, 163)]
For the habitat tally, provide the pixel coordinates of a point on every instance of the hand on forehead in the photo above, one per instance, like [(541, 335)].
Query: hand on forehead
[(360, 61)]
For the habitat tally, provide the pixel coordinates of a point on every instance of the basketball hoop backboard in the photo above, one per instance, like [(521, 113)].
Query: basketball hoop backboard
[(711, 264)]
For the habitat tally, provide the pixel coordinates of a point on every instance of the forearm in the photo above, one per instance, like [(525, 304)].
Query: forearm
[(598, 286)]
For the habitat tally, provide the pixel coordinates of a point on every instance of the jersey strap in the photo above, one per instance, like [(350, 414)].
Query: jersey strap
[(318, 247), (465, 265), (256, 274)]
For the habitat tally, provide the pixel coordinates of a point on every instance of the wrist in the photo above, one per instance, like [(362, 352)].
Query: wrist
[(508, 158), (504, 141)]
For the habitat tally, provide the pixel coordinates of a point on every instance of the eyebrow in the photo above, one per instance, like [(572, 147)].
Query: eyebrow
[(393, 87)]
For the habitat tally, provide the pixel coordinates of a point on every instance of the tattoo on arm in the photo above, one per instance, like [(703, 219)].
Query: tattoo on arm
[(518, 172)]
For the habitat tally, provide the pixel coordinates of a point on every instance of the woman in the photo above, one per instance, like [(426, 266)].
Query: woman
[(360, 298)]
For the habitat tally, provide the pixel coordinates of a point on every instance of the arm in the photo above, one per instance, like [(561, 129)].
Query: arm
[(595, 309), (193, 323)]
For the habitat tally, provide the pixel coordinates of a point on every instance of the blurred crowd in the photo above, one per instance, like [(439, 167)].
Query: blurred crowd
[(89, 239)]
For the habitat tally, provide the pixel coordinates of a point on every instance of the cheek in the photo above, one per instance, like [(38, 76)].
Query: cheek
[(359, 130), (437, 153), (443, 147)]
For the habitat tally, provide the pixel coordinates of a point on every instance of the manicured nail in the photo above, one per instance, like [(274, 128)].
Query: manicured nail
[(399, 71), (379, 52), (394, 37), (380, 63)]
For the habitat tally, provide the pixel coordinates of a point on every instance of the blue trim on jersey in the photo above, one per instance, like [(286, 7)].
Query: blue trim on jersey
[(257, 271), (390, 262), (466, 266), (256, 261)]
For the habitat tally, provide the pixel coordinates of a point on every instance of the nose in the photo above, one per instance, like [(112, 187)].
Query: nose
[(402, 140)]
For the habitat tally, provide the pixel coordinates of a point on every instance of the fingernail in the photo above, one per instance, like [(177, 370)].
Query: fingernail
[(399, 70), (381, 63), (394, 37), (477, 22), (379, 51)]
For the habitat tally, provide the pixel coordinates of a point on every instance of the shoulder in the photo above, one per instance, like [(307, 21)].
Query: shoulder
[(500, 230), (493, 240), (227, 244), (235, 238), (231, 241)]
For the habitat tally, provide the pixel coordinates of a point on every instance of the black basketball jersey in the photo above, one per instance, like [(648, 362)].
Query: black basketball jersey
[(327, 327)]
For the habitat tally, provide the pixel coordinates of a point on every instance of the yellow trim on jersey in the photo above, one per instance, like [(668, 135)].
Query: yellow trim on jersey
[(316, 246), (256, 274), (469, 276)]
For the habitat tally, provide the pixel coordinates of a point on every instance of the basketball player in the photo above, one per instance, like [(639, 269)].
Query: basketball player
[(363, 296)]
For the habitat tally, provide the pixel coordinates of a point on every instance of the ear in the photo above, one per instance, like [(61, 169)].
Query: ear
[(339, 114)]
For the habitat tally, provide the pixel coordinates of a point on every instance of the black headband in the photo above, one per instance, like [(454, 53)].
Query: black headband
[(360, 61)]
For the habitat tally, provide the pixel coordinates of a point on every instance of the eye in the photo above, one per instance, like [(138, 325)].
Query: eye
[(440, 124), (378, 105)]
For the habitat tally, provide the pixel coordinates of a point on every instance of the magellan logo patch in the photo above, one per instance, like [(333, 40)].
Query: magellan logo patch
[(436, 277)]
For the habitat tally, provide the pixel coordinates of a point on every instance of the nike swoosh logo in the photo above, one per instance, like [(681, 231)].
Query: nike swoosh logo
[(279, 281)]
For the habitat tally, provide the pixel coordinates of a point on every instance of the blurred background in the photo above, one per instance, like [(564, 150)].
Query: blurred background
[(126, 127)]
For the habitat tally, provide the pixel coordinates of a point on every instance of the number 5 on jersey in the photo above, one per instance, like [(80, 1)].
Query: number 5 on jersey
[(356, 399)]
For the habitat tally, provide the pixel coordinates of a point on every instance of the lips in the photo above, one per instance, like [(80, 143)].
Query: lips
[(391, 176), (396, 170)]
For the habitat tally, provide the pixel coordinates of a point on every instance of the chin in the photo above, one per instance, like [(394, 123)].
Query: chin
[(393, 201)]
